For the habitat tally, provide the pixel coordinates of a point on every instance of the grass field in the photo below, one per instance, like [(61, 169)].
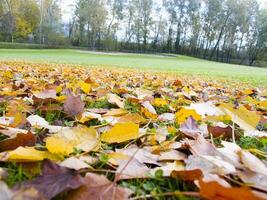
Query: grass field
[(176, 64)]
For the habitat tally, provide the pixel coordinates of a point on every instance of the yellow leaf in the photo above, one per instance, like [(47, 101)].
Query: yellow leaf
[(115, 156), (116, 112), (160, 102), (85, 87), (59, 89), (217, 118), (80, 137), (29, 154), (183, 114), (57, 145), (148, 114), (247, 120), (262, 105), (132, 117), (121, 132), (8, 74), (61, 99), (248, 92)]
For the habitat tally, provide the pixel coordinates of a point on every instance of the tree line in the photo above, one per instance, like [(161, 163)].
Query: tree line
[(232, 31)]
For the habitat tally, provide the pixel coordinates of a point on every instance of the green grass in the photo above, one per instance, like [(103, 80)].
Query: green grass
[(175, 64)]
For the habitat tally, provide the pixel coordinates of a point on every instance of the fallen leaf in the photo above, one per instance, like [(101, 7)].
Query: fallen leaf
[(74, 163), (247, 120), (20, 139), (252, 162), (183, 114), (64, 142), (131, 168), (54, 180), (73, 105), (190, 128), (115, 99), (168, 168), (99, 187), (132, 117), (39, 122), (116, 112), (85, 87), (172, 155), (28, 154), (187, 175), (206, 109), (121, 132), (46, 94), (218, 131), (215, 191), (142, 155)]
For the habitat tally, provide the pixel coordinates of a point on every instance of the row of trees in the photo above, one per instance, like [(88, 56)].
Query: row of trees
[(36, 21), (233, 31)]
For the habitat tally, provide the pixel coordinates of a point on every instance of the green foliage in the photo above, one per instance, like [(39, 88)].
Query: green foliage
[(131, 107), (16, 174), (52, 116), (3, 106), (161, 110), (251, 143), (93, 122), (157, 187), (182, 65), (101, 103)]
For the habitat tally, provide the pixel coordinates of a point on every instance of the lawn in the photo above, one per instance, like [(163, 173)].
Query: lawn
[(176, 64)]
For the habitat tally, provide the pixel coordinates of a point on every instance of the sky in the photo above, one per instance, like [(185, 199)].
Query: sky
[(67, 8)]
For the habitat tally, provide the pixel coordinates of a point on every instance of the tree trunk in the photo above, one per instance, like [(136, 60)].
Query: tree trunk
[(220, 36)]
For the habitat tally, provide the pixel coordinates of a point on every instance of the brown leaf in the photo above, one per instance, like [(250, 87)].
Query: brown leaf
[(188, 175), (215, 191), (98, 187), (218, 131), (21, 139), (54, 180), (73, 105)]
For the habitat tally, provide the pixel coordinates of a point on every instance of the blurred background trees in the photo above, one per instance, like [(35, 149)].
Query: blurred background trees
[(232, 31)]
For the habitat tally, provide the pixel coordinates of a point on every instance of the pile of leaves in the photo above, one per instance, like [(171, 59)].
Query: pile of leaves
[(93, 133)]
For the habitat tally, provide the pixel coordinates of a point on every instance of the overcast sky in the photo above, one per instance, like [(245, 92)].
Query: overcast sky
[(67, 8)]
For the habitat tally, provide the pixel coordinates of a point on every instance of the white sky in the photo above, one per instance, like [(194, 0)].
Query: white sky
[(68, 8)]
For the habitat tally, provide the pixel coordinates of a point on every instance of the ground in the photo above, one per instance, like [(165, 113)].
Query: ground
[(174, 64), (97, 127)]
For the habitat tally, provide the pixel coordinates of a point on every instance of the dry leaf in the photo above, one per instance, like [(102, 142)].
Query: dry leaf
[(98, 187), (20, 139), (54, 180), (73, 105), (121, 132)]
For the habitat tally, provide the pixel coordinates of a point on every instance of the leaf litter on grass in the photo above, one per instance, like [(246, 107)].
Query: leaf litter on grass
[(99, 133)]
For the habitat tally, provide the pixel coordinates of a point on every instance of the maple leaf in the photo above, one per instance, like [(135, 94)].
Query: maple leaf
[(98, 187), (54, 180), (19, 140), (73, 105)]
